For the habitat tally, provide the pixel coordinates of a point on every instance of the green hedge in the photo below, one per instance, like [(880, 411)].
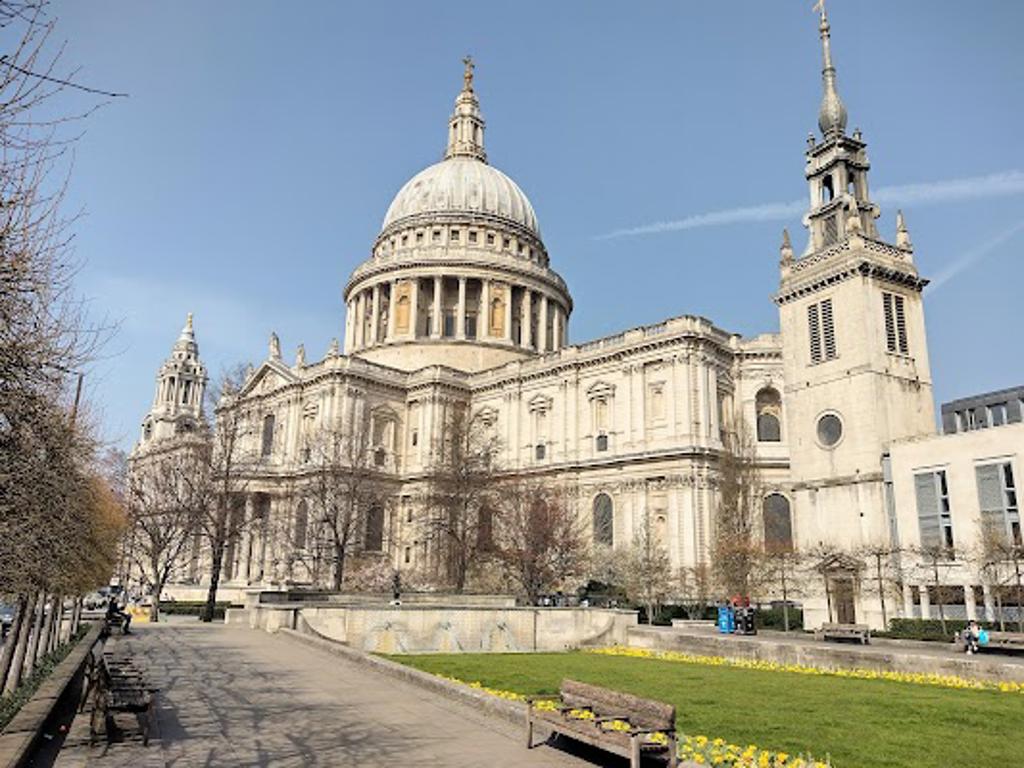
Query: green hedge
[(927, 629), (773, 618), (10, 704), (192, 608)]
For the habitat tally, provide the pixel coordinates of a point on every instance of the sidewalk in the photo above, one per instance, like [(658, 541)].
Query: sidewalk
[(236, 697)]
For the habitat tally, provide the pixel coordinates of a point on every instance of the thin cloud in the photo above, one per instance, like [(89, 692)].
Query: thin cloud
[(1004, 184), (973, 256)]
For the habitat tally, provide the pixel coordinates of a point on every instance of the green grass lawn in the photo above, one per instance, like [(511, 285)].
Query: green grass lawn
[(858, 723)]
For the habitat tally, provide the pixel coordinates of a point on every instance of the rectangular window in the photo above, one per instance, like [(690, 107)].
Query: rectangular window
[(470, 326), (448, 326), (600, 415), (455, 235), (656, 401), (934, 517), (822, 331), (895, 323), (472, 236), (997, 500), (997, 414)]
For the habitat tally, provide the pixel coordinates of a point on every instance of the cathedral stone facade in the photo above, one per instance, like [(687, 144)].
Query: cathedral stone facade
[(458, 306)]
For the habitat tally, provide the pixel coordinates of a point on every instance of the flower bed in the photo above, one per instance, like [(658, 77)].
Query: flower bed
[(943, 681), (696, 749)]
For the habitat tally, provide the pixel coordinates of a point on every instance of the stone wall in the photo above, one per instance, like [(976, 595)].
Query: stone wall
[(407, 628)]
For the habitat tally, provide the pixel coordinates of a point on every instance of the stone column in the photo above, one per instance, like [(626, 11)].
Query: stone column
[(375, 315), (556, 325), (414, 308), (969, 603), (508, 312), (435, 330), (392, 306), (246, 558), (542, 325), (526, 323), (360, 328), (908, 601), (483, 318), (926, 603), (460, 317), (990, 603)]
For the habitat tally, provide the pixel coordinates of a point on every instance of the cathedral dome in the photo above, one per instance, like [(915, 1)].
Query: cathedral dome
[(461, 185)]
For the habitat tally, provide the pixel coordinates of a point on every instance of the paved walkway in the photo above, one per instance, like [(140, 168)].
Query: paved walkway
[(239, 697)]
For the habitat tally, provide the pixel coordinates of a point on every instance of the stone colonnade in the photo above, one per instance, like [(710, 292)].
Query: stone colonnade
[(455, 307)]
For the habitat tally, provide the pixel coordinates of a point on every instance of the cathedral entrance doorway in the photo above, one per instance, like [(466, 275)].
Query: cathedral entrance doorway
[(843, 606)]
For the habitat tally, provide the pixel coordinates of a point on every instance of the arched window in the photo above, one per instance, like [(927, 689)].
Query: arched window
[(374, 539), (604, 532), (769, 412), (301, 525), (268, 435), (778, 524), (827, 189), (402, 314)]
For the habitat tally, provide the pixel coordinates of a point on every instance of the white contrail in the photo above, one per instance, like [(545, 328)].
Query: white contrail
[(1003, 184), (973, 256)]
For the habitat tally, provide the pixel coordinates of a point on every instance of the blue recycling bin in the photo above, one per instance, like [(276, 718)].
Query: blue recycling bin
[(726, 619)]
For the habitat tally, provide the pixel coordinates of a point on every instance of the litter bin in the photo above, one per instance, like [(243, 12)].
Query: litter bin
[(726, 619), (745, 623)]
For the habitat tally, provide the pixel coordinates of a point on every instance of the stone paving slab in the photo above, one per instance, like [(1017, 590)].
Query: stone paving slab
[(238, 697)]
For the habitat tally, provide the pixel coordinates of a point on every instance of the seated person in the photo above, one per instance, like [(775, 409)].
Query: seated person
[(114, 613)]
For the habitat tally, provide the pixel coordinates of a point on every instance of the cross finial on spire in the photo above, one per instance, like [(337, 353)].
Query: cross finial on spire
[(466, 126)]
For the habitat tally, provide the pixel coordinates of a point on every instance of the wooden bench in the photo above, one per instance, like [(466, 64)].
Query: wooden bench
[(859, 632), (997, 641), (121, 687), (616, 722)]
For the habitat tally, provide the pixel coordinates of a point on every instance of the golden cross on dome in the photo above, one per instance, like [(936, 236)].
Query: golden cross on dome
[(467, 76)]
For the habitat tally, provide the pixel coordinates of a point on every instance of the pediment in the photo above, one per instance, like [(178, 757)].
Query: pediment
[(271, 375), (540, 402), (600, 389)]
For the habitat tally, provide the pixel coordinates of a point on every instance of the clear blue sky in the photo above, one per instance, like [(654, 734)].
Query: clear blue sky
[(248, 172)]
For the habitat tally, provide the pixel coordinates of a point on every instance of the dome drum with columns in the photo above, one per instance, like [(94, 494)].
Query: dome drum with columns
[(459, 273)]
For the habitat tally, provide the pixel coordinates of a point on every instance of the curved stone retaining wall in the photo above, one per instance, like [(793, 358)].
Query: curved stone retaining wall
[(445, 628)]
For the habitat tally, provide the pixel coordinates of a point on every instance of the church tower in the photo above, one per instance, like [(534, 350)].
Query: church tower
[(180, 385), (855, 351)]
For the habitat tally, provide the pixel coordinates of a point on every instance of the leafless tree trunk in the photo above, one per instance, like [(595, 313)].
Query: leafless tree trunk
[(741, 491), (647, 569), (461, 495), (344, 488), (538, 538)]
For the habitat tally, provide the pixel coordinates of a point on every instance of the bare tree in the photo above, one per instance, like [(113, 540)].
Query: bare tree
[(883, 559), (647, 572), (46, 508), (934, 559), (538, 538), (342, 490), (219, 475), (1001, 556), (162, 518), (740, 499), (461, 498), (779, 568)]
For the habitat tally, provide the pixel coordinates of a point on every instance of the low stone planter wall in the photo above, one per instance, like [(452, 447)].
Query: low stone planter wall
[(421, 628), (18, 738), (878, 656)]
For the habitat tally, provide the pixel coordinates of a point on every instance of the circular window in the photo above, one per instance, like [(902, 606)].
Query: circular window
[(830, 430)]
